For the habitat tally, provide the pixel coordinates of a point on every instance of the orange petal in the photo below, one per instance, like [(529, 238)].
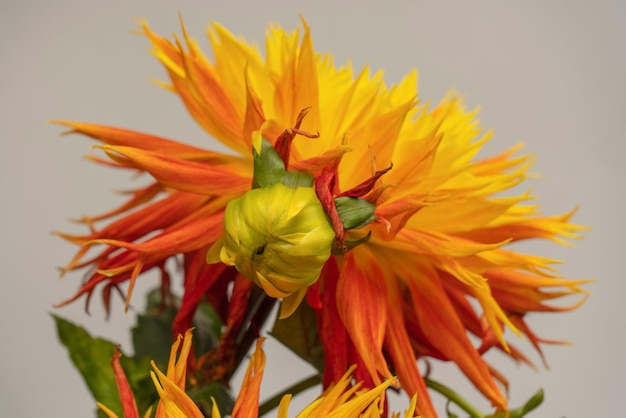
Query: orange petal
[(181, 174), (160, 215), (129, 406), (111, 135), (554, 228), (255, 117), (247, 404), (522, 292), (443, 329), (174, 401), (196, 82), (398, 344), (361, 303)]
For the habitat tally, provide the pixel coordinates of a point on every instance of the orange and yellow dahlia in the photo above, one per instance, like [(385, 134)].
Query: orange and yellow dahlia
[(440, 243)]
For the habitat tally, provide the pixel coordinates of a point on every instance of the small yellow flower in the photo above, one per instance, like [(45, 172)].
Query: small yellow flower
[(175, 403), (279, 237), (340, 400)]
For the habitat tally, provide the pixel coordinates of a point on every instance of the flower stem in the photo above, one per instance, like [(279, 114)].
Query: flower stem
[(296, 388), (454, 397), (260, 308)]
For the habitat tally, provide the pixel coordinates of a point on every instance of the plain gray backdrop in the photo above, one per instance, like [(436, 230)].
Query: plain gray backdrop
[(548, 73)]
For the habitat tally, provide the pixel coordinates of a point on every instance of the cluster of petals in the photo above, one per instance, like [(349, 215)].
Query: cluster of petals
[(341, 400), (438, 269)]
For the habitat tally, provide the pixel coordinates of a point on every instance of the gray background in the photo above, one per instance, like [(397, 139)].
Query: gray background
[(549, 73)]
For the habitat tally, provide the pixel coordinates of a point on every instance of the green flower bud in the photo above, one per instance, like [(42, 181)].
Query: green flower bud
[(279, 237)]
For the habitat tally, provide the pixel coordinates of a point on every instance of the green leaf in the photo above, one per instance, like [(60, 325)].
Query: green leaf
[(533, 403), (92, 357), (298, 332), (202, 397), (152, 336), (355, 212), (269, 168), (530, 405), (208, 328)]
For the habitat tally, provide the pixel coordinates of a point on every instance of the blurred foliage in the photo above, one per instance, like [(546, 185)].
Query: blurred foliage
[(152, 339)]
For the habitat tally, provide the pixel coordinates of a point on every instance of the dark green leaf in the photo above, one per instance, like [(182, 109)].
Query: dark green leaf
[(92, 358), (202, 397), (208, 328), (152, 336), (354, 212), (299, 333)]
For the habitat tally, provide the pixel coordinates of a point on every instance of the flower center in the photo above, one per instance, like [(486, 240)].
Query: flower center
[(258, 252)]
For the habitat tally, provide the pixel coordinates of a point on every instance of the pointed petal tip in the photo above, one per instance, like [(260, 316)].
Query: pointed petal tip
[(291, 303), (303, 20), (213, 255)]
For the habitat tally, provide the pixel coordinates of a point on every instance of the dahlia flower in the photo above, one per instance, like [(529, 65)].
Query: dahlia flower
[(434, 267)]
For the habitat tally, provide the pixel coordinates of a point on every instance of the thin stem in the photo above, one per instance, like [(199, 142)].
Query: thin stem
[(257, 298), (454, 397), (258, 313), (296, 388)]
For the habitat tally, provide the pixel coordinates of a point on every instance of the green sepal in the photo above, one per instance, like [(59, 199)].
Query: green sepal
[(294, 178), (298, 332), (92, 357), (355, 212), (202, 397), (269, 168)]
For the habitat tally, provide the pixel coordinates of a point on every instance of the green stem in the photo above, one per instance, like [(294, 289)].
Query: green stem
[(454, 397), (298, 387)]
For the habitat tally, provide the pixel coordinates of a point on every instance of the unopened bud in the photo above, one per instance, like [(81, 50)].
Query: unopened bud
[(279, 237)]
